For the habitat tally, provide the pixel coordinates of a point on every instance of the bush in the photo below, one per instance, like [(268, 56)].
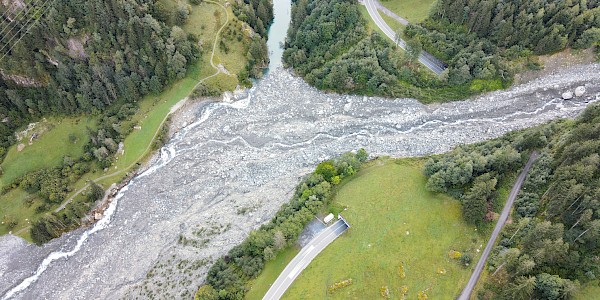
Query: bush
[(454, 254), (10, 221), (96, 192), (338, 285), (203, 90), (466, 259), (206, 292), (384, 291)]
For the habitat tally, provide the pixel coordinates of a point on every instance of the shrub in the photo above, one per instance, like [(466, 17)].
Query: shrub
[(96, 192), (338, 285), (384, 291), (203, 90), (454, 254), (206, 292), (403, 290), (466, 259), (11, 222), (401, 272)]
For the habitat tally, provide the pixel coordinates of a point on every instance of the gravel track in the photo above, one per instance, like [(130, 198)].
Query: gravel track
[(231, 164)]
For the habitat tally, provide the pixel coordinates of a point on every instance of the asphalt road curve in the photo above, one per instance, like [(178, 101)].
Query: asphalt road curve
[(302, 259), (425, 58), (466, 293)]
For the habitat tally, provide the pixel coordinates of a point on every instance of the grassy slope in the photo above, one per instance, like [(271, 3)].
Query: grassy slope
[(385, 202), (12, 205), (38, 156), (151, 113), (413, 11), (590, 290), (260, 285)]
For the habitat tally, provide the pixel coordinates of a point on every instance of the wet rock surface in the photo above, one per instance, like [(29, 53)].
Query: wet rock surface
[(231, 164)]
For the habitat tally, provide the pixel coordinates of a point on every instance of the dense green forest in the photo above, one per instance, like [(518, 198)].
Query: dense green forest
[(329, 45), (483, 42), (553, 242), (83, 56), (229, 276), (259, 15), (486, 38)]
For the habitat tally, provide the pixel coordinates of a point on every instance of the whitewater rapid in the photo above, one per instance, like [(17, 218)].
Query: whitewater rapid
[(237, 161)]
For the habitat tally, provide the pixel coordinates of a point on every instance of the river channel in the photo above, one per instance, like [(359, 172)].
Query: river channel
[(230, 164)]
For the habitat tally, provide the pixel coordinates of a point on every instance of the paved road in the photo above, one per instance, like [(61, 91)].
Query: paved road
[(302, 259), (390, 13), (466, 293), (425, 58)]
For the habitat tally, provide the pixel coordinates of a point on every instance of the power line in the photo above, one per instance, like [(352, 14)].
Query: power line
[(8, 8), (16, 21), (24, 34), (23, 25), (16, 17)]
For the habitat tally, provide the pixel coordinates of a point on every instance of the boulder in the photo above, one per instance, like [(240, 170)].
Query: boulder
[(579, 91), (567, 95)]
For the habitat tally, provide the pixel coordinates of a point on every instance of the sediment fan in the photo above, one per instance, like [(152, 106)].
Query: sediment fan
[(14, 25)]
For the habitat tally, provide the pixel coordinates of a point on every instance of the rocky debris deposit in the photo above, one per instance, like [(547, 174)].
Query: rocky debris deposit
[(579, 91), (230, 165)]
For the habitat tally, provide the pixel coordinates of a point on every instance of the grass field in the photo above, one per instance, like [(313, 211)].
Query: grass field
[(47, 151), (414, 11), (590, 290), (395, 222), (54, 136), (12, 206), (260, 285), (203, 23)]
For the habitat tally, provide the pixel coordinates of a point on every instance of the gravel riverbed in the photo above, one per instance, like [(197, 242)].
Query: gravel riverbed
[(231, 164)]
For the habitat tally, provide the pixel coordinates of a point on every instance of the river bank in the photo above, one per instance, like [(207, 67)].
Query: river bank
[(231, 164)]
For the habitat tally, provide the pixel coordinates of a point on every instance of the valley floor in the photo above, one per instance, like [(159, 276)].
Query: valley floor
[(235, 163)]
